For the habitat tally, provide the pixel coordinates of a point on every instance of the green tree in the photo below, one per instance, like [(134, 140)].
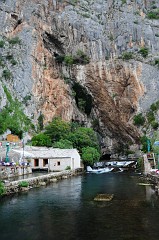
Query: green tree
[(83, 137), (139, 119), (57, 129), (41, 121), (63, 144), (41, 140), (12, 116), (143, 141), (90, 155)]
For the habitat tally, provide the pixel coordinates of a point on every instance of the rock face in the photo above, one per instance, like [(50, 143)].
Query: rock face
[(105, 31)]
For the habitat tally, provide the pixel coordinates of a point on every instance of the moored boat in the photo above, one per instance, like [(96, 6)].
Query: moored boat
[(99, 170)]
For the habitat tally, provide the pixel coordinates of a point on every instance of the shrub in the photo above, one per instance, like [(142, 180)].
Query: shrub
[(68, 168), (41, 121), (154, 124), (144, 52), (157, 104), (26, 99), (150, 116), (13, 62), (14, 40), (127, 55), (1, 62), (153, 107), (1, 43), (2, 188), (123, 1), (68, 59), (157, 62), (139, 120), (81, 104), (60, 58), (6, 74), (153, 14), (23, 184), (9, 57), (81, 57), (140, 163)]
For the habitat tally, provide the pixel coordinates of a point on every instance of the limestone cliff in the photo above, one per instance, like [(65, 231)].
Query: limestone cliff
[(118, 78)]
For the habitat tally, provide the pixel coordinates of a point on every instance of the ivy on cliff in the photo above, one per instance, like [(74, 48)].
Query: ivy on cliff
[(12, 116)]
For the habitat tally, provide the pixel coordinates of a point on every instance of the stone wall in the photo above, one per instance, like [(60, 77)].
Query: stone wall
[(14, 171), (14, 187)]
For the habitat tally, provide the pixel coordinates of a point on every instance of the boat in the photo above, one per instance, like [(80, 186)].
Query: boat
[(121, 163), (99, 170)]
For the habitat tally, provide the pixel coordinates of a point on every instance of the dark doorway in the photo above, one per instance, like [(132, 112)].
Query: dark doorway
[(36, 162), (45, 162)]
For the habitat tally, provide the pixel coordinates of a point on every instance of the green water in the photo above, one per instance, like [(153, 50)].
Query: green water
[(66, 211)]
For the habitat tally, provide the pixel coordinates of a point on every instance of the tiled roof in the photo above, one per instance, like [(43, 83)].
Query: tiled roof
[(43, 152)]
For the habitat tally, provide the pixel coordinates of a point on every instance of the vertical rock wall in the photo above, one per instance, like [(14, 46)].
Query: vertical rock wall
[(104, 31)]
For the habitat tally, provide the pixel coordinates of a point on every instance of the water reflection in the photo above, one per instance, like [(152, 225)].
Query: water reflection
[(66, 210), (26, 176)]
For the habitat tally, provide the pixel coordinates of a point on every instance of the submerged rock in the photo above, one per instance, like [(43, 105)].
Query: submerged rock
[(104, 197)]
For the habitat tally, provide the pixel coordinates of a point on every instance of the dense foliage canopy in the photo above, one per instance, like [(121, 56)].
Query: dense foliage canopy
[(61, 134), (90, 155)]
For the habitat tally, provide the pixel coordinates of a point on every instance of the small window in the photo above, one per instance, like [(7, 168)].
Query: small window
[(58, 163)]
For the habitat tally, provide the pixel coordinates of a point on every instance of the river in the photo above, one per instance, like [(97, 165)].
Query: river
[(66, 211)]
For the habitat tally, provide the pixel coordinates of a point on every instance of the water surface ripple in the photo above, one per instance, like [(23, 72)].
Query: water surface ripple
[(66, 211)]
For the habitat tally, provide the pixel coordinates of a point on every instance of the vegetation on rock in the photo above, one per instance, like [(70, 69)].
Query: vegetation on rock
[(2, 188), (144, 51), (127, 55), (15, 40), (23, 184), (153, 14), (12, 117), (139, 119), (79, 58)]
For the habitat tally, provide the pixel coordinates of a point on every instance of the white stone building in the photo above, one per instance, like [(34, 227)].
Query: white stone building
[(53, 159)]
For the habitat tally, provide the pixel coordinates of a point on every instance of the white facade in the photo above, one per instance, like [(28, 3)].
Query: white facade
[(52, 158)]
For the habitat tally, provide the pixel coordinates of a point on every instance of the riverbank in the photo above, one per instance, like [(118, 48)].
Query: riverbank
[(34, 182), (154, 178)]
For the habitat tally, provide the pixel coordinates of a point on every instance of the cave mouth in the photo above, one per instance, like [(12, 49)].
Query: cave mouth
[(105, 157), (83, 99)]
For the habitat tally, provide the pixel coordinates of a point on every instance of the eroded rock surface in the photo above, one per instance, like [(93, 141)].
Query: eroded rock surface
[(104, 31)]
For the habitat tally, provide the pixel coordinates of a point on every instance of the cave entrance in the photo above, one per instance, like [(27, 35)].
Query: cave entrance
[(105, 157)]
